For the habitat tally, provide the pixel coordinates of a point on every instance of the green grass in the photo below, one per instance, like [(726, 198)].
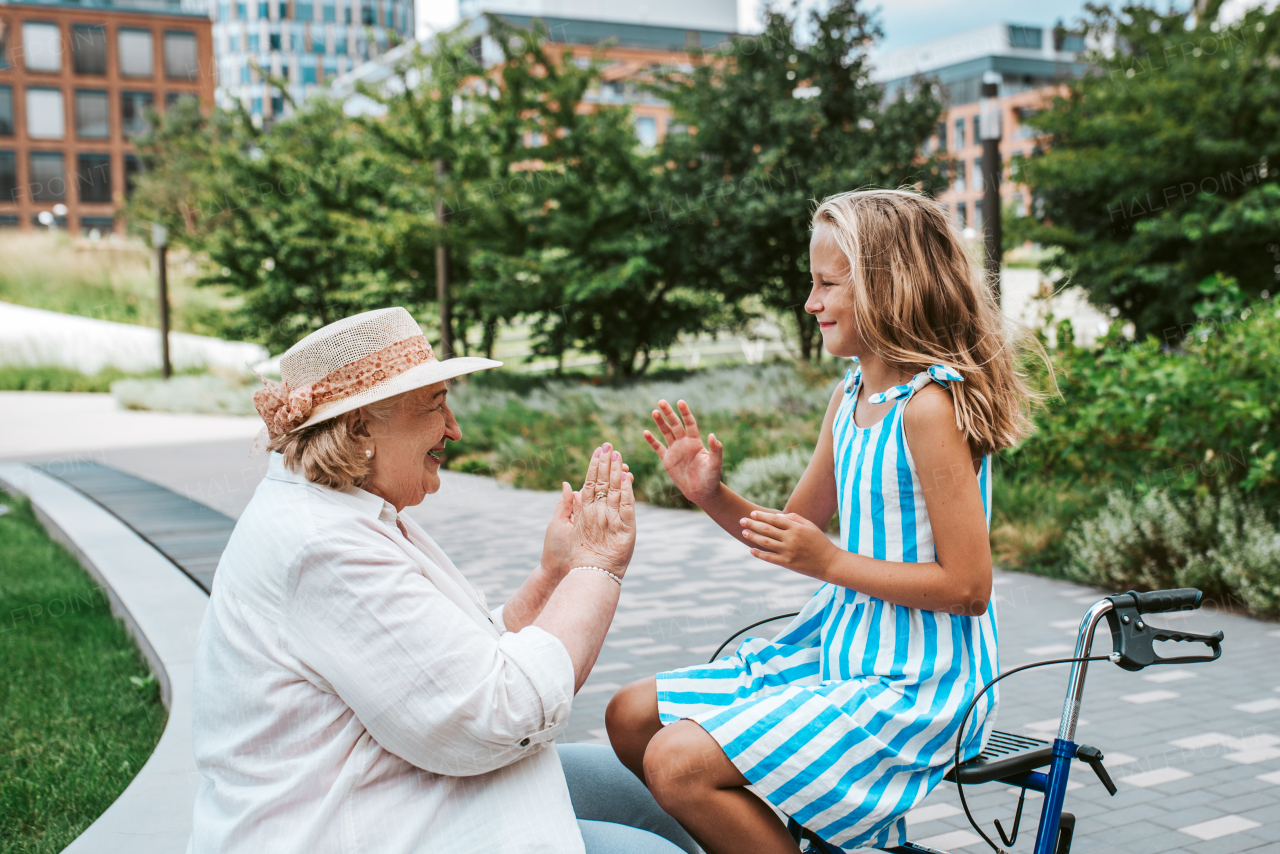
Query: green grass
[(79, 711), (52, 378), (107, 280)]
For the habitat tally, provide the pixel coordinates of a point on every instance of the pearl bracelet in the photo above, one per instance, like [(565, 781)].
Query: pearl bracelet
[(600, 569)]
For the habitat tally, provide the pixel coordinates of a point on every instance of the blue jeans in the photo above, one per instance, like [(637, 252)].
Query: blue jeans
[(614, 809)]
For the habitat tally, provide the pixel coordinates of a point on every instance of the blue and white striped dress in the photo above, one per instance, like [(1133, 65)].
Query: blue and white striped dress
[(848, 718)]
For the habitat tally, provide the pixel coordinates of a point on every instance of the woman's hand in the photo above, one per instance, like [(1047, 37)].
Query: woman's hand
[(693, 467), (789, 540), (556, 545), (604, 528)]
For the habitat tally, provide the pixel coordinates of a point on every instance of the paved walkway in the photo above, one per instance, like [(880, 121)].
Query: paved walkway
[(1195, 750)]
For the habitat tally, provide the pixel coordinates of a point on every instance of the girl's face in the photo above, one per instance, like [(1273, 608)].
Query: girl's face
[(829, 300)]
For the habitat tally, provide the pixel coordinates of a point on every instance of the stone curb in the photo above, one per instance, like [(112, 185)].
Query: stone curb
[(163, 610)]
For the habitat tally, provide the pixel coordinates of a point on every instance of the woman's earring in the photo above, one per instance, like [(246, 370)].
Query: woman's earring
[(368, 453)]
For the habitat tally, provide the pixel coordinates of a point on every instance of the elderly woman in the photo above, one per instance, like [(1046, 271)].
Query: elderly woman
[(352, 690)]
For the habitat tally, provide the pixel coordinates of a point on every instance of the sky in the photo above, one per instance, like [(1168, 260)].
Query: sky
[(905, 22)]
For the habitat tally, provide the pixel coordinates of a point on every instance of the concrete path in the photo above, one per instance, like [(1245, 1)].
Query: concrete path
[(1195, 749), (83, 426)]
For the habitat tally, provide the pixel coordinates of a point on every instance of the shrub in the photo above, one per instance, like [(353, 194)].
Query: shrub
[(213, 394), (1222, 544), (769, 481)]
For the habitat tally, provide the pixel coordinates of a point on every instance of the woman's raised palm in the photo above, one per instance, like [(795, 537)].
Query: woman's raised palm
[(694, 467)]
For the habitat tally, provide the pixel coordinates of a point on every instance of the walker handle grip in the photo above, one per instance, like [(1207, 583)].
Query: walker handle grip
[(1162, 601)]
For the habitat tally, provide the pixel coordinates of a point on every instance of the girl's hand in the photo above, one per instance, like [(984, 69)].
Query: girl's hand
[(789, 540), (693, 467)]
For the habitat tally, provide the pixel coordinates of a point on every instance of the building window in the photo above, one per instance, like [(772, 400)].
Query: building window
[(4, 46), (367, 15), (257, 106), (224, 11), (94, 227), (284, 70), (340, 44), (133, 112), (647, 131), (977, 174), (957, 182), (264, 11), (330, 15), (6, 111), (977, 129), (942, 136), (346, 15), (91, 115), (132, 169), (93, 173), (135, 52), (317, 40), (253, 43), (284, 11), (273, 41), (277, 105), (89, 49), (308, 74), (304, 12), (180, 61), (959, 134), (45, 118), (245, 74), (242, 11), (42, 46), (8, 176), (962, 217), (48, 182), (1027, 37)]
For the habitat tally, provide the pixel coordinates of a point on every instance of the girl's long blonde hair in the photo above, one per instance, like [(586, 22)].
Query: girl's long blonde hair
[(920, 298)]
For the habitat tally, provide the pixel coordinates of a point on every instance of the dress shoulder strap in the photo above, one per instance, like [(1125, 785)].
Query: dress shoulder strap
[(941, 374)]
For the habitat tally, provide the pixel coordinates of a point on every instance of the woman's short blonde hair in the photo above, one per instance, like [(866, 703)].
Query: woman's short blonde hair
[(327, 453)]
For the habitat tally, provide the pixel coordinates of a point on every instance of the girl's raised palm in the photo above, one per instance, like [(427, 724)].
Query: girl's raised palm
[(694, 467)]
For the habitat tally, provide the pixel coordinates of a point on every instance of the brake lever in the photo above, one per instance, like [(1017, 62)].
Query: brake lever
[(1133, 637), (1093, 756)]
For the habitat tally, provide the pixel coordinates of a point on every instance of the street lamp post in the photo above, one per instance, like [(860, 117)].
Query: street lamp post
[(160, 242), (992, 169)]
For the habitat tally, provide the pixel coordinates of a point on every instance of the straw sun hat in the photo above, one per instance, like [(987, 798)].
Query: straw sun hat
[(348, 364)]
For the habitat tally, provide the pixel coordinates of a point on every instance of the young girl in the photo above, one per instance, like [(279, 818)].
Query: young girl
[(848, 718)]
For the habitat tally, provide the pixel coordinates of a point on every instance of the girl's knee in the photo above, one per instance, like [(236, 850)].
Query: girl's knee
[(679, 761), (633, 709)]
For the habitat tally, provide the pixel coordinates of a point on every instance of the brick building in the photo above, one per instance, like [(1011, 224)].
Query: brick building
[(76, 84), (1032, 63)]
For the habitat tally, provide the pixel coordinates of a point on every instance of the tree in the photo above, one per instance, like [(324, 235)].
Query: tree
[(280, 215), (773, 122), (1155, 171), (540, 193)]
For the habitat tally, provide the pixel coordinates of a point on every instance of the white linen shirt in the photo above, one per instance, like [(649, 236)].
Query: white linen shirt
[(353, 693)]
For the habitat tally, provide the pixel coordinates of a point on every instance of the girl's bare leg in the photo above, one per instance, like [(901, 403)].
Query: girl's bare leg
[(691, 778), (632, 720)]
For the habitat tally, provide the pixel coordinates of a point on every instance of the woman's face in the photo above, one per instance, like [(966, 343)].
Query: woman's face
[(829, 300), (408, 446)]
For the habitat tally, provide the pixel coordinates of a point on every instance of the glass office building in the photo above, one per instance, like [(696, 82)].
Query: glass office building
[(267, 47)]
